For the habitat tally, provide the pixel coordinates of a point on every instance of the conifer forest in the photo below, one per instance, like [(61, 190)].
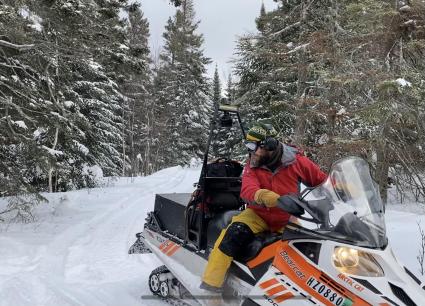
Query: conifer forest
[(82, 95)]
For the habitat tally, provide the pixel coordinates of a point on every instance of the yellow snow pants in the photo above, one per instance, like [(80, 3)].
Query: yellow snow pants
[(218, 262)]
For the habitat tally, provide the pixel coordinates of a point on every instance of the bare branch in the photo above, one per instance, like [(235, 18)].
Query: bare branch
[(421, 255), (286, 29), (298, 48), (7, 44)]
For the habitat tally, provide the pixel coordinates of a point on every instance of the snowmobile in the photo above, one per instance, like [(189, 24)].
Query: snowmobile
[(338, 254)]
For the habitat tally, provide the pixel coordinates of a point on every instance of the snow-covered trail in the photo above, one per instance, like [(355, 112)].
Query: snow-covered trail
[(76, 252)]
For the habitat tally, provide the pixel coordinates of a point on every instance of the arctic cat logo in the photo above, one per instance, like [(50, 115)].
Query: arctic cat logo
[(292, 265), (349, 281), (169, 247)]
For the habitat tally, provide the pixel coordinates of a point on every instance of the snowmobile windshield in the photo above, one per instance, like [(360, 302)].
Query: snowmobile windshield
[(350, 205)]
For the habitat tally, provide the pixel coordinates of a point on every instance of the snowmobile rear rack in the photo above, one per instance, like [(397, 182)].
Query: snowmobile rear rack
[(196, 223)]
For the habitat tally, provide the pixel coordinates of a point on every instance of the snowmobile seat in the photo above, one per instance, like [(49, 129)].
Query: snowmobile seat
[(261, 240)]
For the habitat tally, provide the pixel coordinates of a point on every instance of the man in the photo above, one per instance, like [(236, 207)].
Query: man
[(273, 169)]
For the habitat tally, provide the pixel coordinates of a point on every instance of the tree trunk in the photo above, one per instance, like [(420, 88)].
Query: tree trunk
[(300, 112), (123, 142), (382, 169), (51, 168)]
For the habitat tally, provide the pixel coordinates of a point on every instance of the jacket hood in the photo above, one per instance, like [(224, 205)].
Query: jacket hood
[(289, 155)]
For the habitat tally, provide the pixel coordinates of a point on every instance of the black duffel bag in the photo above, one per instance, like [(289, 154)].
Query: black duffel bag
[(224, 167)]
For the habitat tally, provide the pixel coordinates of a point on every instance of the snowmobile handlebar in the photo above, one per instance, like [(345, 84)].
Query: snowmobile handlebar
[(295, 206)]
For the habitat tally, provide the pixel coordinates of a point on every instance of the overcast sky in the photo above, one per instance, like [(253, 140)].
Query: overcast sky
[(221, 22)]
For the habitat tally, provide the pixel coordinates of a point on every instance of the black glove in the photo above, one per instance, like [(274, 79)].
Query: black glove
[(288, 204)]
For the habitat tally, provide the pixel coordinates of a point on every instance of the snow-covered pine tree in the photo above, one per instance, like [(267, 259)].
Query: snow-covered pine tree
[(216, 98), (227, 140), (110, 52), (176, 2), (234, 146), (216, 88), (379, 74), (21, 95), (230, 90), (276, 69), (75, 115), (265, 89), (136, 85), (81, 86), (345, 75), (182, 90)]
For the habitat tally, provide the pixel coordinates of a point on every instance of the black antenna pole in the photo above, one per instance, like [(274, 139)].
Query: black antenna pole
[(240, 123), (211, 133)]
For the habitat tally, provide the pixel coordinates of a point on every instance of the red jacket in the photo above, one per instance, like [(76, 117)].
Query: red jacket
[(295, 169)]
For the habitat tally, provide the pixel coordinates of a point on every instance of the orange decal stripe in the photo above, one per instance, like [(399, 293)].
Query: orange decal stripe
[(173, 250), (275, 290), (168, 247), (300, 270), (163, 245), (267, 253), (283, 297), (268, 283)]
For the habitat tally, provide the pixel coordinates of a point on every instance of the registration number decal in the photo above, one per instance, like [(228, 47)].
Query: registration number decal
[(328, 293)]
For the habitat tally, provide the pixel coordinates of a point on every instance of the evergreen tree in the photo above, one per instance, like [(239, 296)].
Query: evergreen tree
[(216, 88), (182, 89), (227, 140), (230, 90), (60, 96), (136, 85), (276, 79), (339, 77), (22, 94), (261, 21), (383, 85), (216, 98)]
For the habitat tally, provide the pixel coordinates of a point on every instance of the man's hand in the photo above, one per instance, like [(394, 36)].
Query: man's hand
[(290, 206), (266, 197)]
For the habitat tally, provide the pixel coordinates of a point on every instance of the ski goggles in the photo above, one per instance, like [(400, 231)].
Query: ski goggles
[(252, 146), (270, 144)]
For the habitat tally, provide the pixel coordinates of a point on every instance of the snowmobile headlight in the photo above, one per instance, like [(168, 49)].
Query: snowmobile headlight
[(346, 257), (355, 262)]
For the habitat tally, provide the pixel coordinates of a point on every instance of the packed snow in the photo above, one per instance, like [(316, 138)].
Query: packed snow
[(20, 124), (402, 82), (33, 18), (75, 252), (68, 104), (52, 151), (82, 148)]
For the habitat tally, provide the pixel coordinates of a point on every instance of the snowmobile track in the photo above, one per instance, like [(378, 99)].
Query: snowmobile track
[(169, 300)]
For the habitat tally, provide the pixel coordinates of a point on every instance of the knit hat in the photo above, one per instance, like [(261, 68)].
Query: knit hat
[(260, 131)]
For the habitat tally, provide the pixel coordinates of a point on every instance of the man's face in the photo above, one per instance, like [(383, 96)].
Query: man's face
[(261, 156)]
